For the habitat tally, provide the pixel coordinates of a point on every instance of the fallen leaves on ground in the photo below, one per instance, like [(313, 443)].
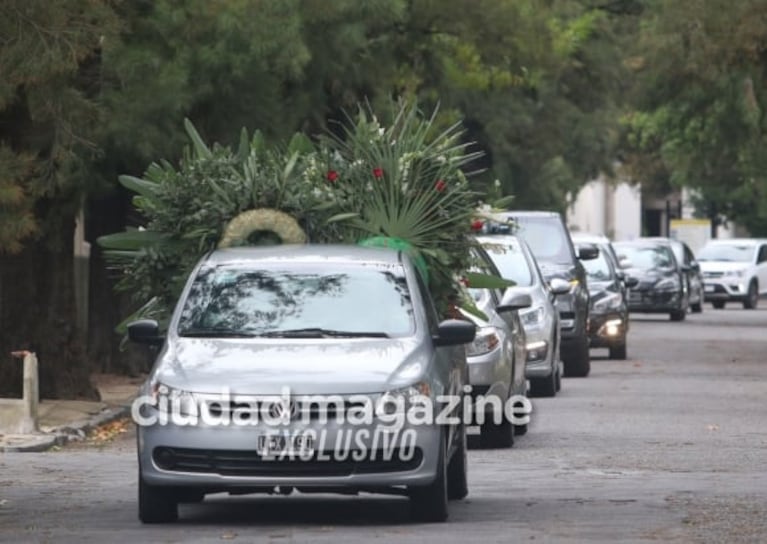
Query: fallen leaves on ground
[(109, 431)]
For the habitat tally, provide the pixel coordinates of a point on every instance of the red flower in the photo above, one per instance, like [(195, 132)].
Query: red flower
[(440, 185), (378, 172), (332, 175), (477, 224), (465, 281)]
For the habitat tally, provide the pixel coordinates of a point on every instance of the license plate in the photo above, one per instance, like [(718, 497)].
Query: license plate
[(709, 288), (270, 445)]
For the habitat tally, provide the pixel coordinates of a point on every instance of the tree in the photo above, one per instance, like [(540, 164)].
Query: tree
[(698, 119), (49, 58)]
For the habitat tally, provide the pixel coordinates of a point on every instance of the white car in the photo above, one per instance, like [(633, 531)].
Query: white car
[(515, 262), (734, 270)]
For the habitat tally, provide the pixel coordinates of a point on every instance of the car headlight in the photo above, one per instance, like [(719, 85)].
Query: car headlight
[(737, 273), (399, 400), (533, 317), (668, 284), (611, 301), (170, 400), (486, 340)]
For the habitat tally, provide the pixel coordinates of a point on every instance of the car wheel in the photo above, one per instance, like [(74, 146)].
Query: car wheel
[(752, 300), (578, 360), (497, 435), (559, 381), (718, 304), (156, 504), (457, 480), (429, 503), (619, 351), (678, 315), (544, 387)]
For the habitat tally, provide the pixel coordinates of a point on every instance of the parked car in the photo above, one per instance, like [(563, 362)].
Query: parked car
[(496, 357), (662, 286), (550, 242), (691, 267), (273, 332), (515, 262), (734, 270), (608, 289)]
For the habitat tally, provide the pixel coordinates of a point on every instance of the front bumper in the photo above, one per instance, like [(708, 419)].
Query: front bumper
[(728, 289), (654, 301), (225, 458), (607, 330)]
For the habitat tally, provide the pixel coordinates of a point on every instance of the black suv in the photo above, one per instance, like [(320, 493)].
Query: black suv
[(549, 240)]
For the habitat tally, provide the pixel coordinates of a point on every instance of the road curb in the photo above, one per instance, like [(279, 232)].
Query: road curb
[(59, 436)]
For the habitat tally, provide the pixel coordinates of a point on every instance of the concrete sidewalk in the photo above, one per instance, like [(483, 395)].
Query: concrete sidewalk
[(62, 420)]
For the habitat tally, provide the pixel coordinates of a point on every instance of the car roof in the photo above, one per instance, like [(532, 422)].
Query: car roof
[(738, 241), (589, 238), (528, 213), (498, 239), (307, 253)]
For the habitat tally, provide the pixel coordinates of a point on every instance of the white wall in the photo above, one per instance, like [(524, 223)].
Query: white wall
[(604, 208)]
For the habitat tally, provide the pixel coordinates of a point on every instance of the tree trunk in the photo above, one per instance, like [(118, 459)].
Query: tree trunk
[(38, 312)]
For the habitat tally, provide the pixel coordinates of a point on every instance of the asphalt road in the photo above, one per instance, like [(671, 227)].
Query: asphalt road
[(669, 446)]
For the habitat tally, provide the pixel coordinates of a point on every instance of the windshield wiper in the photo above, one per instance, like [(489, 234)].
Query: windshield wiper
[(215, 333), (317, 332)]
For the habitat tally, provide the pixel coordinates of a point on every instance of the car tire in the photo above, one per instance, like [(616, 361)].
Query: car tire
[(752, 299), (497, 435), (559, 379), (678, 315), (544, 387), (156, 504), (697, 308), (718, 304), (619, 351), (457, 469), (429, 503), (578, 360)]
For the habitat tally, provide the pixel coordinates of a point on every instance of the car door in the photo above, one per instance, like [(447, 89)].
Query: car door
[(761, 267)]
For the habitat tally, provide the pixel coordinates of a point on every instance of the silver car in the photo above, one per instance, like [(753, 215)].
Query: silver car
[(496, 360), (299, 368), (516, 262)]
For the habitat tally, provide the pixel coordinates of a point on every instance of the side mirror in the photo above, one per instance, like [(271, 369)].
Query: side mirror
[(145, 331), (695, 265), (587, 252), (453, 332), (514, 301), (630, 282), (559, 286), (685, 268)]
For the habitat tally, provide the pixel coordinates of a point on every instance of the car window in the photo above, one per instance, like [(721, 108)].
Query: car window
[(762, 254), (647, 257), (547, 238), (688, 255), (432, 317), (252, 301), (511, 262), (598, 269), (738, 253)]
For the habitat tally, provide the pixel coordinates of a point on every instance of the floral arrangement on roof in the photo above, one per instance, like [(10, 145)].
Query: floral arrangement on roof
[(402, 185)]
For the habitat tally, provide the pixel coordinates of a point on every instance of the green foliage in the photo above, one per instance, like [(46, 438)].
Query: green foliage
[(187, 208)]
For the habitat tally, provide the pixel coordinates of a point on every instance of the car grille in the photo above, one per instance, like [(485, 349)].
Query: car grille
[(299, 409), (713, 274), (251, 463)]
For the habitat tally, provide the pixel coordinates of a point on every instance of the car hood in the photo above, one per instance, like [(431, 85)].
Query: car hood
[(722, 266), (306, 367), (650, 275), (550, 271)]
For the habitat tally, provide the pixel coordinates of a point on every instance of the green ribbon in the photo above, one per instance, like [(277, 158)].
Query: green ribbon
[(401, 245)]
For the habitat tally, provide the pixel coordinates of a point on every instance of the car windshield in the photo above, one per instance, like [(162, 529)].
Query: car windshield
[(647, 257), (737, 253), (598, 269), (511, 262), (249, 301), (547, 238)]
